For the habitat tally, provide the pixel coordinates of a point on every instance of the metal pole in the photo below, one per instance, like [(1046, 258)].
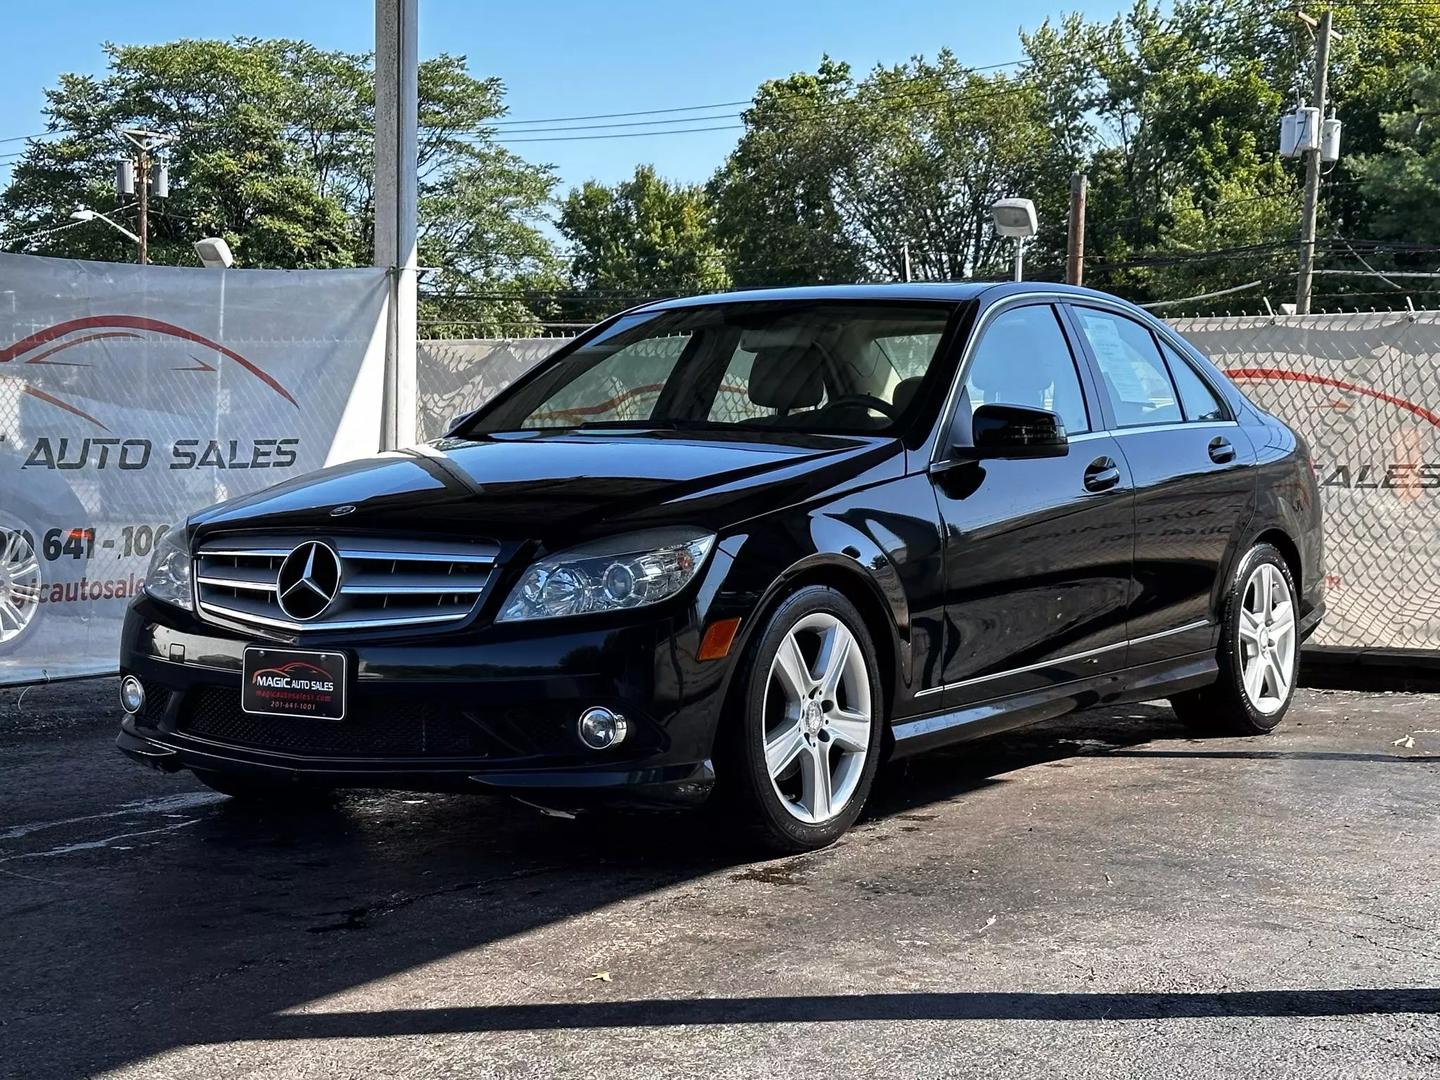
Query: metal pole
[(1019, 256), (397, 115), (143, 244), (1075, 247), (1312, 173), (905, 253)]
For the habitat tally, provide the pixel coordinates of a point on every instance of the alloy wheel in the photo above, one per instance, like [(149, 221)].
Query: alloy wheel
[(1267, 639), (817, 718), (19, 582)]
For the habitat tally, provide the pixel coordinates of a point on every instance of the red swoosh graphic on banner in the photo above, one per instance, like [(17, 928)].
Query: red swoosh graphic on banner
[(33, 392), (1283, 375), (138, 322), (40, 359)]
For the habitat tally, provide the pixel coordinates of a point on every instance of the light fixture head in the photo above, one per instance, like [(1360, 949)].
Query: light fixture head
[(214, 253), (1014, 217)]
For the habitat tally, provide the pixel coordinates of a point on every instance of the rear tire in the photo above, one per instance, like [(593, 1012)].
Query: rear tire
[(1259, 652), (798, 758)]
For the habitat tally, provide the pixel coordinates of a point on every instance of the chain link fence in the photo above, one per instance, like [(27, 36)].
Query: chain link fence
[(1363, 389)]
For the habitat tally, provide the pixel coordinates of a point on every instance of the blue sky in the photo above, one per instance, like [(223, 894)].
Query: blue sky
[(558, 59)]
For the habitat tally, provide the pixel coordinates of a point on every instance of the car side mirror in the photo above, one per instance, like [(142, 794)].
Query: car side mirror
[(1016, 431)]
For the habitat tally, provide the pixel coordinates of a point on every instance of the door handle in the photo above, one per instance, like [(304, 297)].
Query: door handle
[(1221, 451), (1101, 474)]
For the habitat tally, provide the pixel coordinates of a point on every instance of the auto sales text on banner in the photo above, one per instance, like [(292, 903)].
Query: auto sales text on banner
[(131, 396)]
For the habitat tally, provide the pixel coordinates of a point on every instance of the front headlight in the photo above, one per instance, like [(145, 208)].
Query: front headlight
[(168, 578), (622, 572)]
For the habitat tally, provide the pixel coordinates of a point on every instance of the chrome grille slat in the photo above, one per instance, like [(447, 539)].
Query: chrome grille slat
[(408, 590), (384, 582), (371, 555)]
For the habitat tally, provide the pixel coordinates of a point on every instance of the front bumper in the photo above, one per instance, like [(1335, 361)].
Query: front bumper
[(483, 710)]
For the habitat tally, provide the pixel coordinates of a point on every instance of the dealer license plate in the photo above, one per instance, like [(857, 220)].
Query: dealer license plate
[(291, 682)]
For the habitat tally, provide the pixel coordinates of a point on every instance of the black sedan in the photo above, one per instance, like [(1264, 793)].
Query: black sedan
[(743, 549)]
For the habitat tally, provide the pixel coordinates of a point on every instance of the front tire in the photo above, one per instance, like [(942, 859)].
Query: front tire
[(1259, 651), (799, 760)]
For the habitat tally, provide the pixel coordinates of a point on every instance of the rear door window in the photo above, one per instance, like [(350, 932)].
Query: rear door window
[(1133, 373), (1199, 401)]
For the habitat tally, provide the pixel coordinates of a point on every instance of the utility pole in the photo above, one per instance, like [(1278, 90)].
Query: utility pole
[(1075, 247), (143, 246), (1312, 172), (397, 118), (151, 174)]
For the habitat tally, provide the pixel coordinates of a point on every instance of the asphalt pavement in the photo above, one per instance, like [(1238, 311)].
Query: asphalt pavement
[(1099, 896)]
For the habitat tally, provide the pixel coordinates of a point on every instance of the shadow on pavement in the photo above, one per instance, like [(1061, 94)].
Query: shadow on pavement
[(839, 1008), (211, 936)]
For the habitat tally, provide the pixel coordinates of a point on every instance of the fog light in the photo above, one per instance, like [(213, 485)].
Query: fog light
[(601, 728), (132, 695)]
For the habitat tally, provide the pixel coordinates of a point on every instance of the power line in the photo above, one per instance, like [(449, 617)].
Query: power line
[(625, 135)]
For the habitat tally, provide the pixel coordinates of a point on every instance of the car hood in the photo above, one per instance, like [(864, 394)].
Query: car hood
[(562, 486)]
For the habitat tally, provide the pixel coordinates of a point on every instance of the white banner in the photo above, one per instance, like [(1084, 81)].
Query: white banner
[(1364, 391), (131, 396)]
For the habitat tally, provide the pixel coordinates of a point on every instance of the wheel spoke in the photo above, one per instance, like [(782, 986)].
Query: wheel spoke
[(817, 793), (10, 616), (25, 569), (850, 730), (1282, 619), (1250, 626), (794, 673), (1278, 676), (834, 656), (780, 751), (1255, 677)]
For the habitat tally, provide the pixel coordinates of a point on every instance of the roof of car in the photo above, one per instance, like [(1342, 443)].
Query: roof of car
[(945, 292)]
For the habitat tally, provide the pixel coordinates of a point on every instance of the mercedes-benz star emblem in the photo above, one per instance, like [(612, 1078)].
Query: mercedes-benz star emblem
[(309, 580)]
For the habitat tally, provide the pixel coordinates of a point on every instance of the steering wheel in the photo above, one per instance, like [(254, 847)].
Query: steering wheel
[(870, 401)]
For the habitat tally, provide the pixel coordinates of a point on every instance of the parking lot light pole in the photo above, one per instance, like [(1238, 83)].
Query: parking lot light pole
[(84, 213), (1015, 217)]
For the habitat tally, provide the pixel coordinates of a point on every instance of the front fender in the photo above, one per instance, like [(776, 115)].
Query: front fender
[(882, 546)]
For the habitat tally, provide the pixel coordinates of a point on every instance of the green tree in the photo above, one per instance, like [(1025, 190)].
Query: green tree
[(1402, 180), (275, 152), (777, 213), (642, 237), (841, 180), (1183, 103), (932, 145)]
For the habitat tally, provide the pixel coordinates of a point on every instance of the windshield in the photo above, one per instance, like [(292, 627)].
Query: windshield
[(846, 368)]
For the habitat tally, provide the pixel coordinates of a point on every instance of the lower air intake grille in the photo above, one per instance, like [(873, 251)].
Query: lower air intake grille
[(389, 729)]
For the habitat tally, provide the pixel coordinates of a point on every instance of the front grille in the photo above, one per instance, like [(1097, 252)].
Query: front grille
[(383, 582), (376, 729)]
